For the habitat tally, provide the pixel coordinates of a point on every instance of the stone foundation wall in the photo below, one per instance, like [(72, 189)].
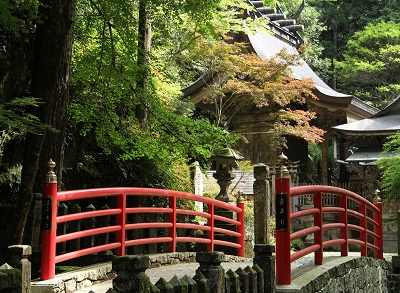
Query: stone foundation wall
[(357, 275), (172, 258)]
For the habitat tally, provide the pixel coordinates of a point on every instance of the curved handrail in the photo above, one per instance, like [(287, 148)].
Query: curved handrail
[(121, 226), (312, 189), (284, 236), (139, 191), (362, 227)]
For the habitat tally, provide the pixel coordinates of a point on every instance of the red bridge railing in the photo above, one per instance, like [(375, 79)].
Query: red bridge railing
[(50, 220), (367, 220)]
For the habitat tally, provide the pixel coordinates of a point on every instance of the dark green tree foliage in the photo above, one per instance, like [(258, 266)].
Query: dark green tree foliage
[(17, 32), (106, 141), (15, 119), (107, 90), (345, 17), (371, 64), (390, 168)]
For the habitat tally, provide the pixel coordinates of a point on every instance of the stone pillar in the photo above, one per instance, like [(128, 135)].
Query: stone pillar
[(396, 258), (131, 276), (18, 259), (210, 267), (197, 179), (398, 232), (371, 181), (224, 180), (394, 276), (265, 259), (262, 205)]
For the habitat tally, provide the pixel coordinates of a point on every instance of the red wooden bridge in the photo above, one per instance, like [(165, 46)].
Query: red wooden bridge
[(366, 218), (50, 221)]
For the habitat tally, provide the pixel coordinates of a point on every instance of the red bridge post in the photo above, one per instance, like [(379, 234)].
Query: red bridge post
[(282, 214), (378, 229), (172, 220), (49, 226), (344, 248), (210, 223), (363, 225), (318, 236), (240, 229), (121, 221)]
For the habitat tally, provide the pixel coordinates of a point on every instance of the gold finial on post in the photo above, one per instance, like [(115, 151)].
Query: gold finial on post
[(51, 176), (239, 197), (377, 198), (282, 172)]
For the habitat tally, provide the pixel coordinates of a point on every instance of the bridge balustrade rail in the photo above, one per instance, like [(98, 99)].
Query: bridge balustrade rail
[(121, 211), (368, 216)]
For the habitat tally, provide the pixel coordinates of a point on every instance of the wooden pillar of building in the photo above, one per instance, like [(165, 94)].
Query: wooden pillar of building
[(325, 158)]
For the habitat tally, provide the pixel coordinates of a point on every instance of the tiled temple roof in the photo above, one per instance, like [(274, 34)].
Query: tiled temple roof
[(383, 123), (284, 36)]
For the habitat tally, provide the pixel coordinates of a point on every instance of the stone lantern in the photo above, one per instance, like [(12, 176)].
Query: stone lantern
[(224, 160)]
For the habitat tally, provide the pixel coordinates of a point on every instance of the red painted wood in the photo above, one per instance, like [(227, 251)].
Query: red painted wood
[(121, 221), (192, 239), (172, 220), (226, 243), (226, 220), (344, 234), (304, 252), (148, 210), (210, 223), (318, 236), (334, 242), (85, 233), (85, 215), (192, 213), (86, 251), (283, 263), (193, 226), (148, 241), (304, 232), (304, 213), (378, 229), (140, 191), (240, 230), (148, 225), (317, 229), (120, 214), (48, 265), (363, 225), (311, 189)]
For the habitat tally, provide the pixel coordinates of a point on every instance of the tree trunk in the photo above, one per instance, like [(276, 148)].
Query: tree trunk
[(335, 53), (50, 83), (143, 60)]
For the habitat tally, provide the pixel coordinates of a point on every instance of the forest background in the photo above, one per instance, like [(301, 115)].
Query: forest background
[(95, 85)]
